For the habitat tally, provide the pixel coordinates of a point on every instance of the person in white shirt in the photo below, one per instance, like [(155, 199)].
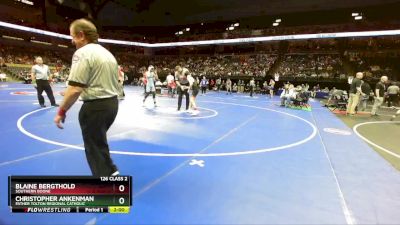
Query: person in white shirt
[(93, 78), (287, 94), (171, 84), (204, 85), (40, 74), (252, 85), (271, 87), (151, 77), (3, 77), (228, 85), (393, 94), (276, 76)]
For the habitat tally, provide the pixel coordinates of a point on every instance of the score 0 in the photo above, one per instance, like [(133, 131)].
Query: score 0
[(120, 189)]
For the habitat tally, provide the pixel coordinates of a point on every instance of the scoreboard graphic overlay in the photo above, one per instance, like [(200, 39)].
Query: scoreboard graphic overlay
[(66, 194)]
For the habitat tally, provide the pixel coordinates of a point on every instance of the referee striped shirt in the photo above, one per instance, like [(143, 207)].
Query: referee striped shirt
[(41, 72), (96, 69)]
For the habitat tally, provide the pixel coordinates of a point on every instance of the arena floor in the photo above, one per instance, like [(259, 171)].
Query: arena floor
[(241, 160)]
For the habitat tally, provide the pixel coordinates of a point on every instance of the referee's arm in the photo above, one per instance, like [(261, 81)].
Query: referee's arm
[(71, 95), (77, 81), (33, 77), (50, 77)]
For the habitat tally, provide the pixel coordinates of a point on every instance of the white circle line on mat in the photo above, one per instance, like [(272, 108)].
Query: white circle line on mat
[(311, 136), (194, 117), (372, 143)]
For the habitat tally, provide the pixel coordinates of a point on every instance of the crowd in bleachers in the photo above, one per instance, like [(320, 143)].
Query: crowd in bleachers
[(296, 61), (372, 43), (317, 66), (321, 45), (220, 65), (312, 66), (372, 64), (19, 55), (20, 60)]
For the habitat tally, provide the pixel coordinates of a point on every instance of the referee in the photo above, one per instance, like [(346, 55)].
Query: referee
[(183, 85), (93, 77), (41, 74)]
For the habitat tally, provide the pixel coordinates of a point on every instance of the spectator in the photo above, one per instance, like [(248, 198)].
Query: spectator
[(393, 94), (271, 87), (380, 89), (252, 86), (3, 77), (171, 84), (287, 94), (365, 88), (234, 88), (228, 86), (355, 93), (204, 84)]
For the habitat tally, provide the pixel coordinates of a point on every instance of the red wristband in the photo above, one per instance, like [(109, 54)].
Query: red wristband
[(61, 112)]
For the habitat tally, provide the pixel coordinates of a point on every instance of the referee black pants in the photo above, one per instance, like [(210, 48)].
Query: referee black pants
[(203, 89), (181, 93), (251, 91), (44, 85), (95, 118), (392, 100)]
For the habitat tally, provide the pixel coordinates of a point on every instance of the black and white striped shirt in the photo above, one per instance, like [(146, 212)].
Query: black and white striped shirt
[(96, 69)]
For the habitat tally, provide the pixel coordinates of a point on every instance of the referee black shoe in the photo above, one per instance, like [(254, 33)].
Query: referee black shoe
[(55, 105), (43, 106)]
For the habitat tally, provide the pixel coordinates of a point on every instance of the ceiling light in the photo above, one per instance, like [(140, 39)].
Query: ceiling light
[(355, 14), (13, 38), (236, 24), (278, 20), (275, 24), (231, 28), (188, 29), (358, 18), (26, 2), (41, 42)]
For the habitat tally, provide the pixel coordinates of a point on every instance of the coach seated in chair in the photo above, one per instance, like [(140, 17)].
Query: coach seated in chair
[(337, 100), (335, 96), (301, 97), (288, 94), (234, 88)]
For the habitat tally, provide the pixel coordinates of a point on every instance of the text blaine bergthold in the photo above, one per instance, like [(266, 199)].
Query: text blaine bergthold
[(19, 186)]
